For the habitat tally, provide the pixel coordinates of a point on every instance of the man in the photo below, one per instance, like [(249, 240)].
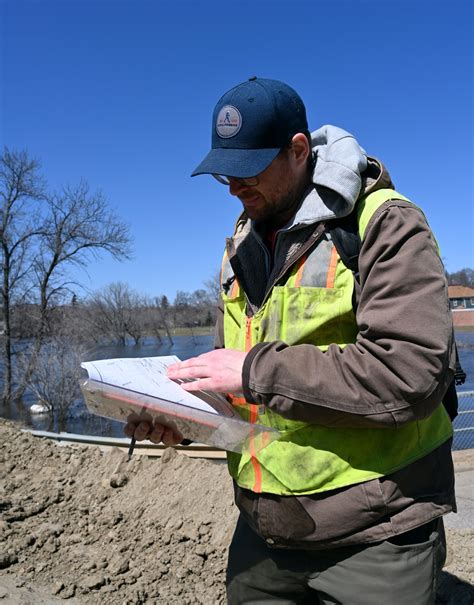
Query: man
[(350, 366)]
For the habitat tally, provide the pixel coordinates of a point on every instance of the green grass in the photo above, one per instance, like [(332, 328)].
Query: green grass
[(199, 331), (464, 329)]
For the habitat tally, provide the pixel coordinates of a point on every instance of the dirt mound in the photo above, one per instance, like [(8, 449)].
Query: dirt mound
[(96, 527), (93, 528)]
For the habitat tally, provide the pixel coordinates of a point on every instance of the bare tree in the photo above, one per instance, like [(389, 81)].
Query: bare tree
[(55, 378), (463, 277), (22, 192), (181, 308), (57, 372), (114, 313), (213, 287), (44, 234), (159, 317)]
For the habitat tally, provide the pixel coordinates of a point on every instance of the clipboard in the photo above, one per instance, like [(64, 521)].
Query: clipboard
[(222, 428)]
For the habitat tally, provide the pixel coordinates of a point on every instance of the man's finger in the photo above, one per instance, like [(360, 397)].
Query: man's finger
[(170, 437), (142, 431), (201, 384), (129, 429), (156, 435), (191, 371)]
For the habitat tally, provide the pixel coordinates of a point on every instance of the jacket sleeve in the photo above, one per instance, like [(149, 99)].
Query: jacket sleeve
[(401, 364)]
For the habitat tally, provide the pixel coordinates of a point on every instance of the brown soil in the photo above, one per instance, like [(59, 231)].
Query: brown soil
[(90, 527)]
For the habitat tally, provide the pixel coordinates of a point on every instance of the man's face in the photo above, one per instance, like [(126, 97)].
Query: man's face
[(276, 197)]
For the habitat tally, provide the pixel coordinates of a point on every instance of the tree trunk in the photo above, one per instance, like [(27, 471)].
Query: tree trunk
[(36, 348), (26, 377), (7, 342), (162, 315)]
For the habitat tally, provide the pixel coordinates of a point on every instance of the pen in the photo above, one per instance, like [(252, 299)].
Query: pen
[(131, 447)]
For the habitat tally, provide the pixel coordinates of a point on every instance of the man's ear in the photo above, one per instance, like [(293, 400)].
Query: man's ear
[(301, 149)]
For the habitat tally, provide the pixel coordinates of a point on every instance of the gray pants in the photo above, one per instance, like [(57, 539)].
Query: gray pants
[(399, 571)]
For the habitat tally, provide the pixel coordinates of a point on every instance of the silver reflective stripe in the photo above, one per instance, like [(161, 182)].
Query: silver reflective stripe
[(316, 266), (227, 271)]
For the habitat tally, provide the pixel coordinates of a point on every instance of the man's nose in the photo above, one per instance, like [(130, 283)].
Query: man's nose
[(236, 186)]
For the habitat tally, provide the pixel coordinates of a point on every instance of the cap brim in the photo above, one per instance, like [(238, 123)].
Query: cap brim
[(240, 163)]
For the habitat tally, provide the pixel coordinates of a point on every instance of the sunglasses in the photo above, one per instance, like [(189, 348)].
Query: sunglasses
[(251, 181)]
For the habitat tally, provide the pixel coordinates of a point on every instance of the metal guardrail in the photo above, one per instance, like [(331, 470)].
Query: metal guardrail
[(463, 436), (195, 450), (464, 422)]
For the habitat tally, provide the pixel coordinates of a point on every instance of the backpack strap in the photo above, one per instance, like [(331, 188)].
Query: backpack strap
[(345, 236), (346, 231), (450, 399)]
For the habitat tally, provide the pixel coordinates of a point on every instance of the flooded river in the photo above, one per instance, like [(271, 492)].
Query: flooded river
[(82, 422)]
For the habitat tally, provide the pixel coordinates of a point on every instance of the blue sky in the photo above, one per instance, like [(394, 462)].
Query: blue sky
[(121, 92)]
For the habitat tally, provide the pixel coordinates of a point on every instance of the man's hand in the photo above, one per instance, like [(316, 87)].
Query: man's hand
[(219, 370), (156, 433)]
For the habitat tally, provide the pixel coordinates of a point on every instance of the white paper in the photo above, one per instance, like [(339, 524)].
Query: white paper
[(145, 375)]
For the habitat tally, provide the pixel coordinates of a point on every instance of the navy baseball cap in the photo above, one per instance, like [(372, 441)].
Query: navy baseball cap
[(251, 123)]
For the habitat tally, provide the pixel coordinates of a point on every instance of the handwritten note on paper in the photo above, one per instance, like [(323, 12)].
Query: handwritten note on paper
[(145, 375)]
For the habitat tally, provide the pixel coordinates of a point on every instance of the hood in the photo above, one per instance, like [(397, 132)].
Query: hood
[(342, 172)]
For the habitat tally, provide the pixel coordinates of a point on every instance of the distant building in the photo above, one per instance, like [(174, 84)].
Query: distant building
[(461, 302)]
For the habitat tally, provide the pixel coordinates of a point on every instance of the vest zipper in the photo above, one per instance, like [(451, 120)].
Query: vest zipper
[(253, 417)]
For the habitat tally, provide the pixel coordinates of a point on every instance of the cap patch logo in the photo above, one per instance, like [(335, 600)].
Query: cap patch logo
[(229, 122)]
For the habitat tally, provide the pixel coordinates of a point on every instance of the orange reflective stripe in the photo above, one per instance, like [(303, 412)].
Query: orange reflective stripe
[(236, 400), (253, 416), (248, 346), (253, 409), (257, 486), (248, 334), (299, 273), (257, 469), (265, 439), (331, 276)]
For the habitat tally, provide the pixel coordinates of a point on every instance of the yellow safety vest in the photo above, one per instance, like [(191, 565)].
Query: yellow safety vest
[(314, 306)]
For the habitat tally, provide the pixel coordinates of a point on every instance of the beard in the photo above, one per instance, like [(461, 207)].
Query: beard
[(276, 208)]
